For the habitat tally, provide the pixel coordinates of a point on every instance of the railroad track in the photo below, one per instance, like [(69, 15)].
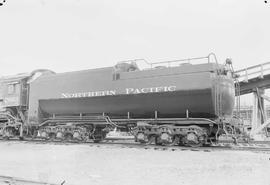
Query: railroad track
[(7, 180), (256, 146)]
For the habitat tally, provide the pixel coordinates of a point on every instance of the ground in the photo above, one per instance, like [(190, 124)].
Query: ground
[(114, 165)]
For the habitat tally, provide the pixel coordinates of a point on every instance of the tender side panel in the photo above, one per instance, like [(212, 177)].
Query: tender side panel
[(173, 104), (170, 91)]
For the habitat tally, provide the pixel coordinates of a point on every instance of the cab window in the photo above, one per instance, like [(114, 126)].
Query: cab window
[(11, 88)]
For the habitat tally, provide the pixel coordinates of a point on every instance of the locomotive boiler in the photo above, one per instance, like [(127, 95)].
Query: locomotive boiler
[(185, 103)]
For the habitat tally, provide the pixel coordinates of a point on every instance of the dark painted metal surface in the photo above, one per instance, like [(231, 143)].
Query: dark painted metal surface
[(172, 104), (202, 89)]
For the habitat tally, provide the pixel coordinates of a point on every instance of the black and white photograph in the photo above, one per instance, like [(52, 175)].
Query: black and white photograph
[(134, 92)]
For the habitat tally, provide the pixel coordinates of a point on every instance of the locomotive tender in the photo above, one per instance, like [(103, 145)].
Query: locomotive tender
[(186, 103)]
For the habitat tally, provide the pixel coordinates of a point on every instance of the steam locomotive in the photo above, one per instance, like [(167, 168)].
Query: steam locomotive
[(173, 102)]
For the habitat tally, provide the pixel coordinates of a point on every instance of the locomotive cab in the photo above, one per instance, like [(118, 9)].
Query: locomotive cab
[(13, 105), (14, 93)]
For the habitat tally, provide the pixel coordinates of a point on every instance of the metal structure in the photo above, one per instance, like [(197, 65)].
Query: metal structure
[(256, 79), (170, 102)]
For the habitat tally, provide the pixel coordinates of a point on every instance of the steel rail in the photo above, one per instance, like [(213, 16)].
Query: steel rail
[(16, 181), (257, 146)]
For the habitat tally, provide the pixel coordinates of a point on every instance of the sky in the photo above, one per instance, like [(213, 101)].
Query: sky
[(70, 35)]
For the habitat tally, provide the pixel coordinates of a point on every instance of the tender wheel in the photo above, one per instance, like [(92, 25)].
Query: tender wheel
[(44, 134), (145, 139), (142, 138), (59, 135), (77, 135), (195, 136), (192, 140), (175, 141), (166, 136), (167, 139)]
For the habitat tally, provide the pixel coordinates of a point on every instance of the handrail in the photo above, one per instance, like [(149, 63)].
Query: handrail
[(208, 57), (188, 59), (258, 70), (252, 67)]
